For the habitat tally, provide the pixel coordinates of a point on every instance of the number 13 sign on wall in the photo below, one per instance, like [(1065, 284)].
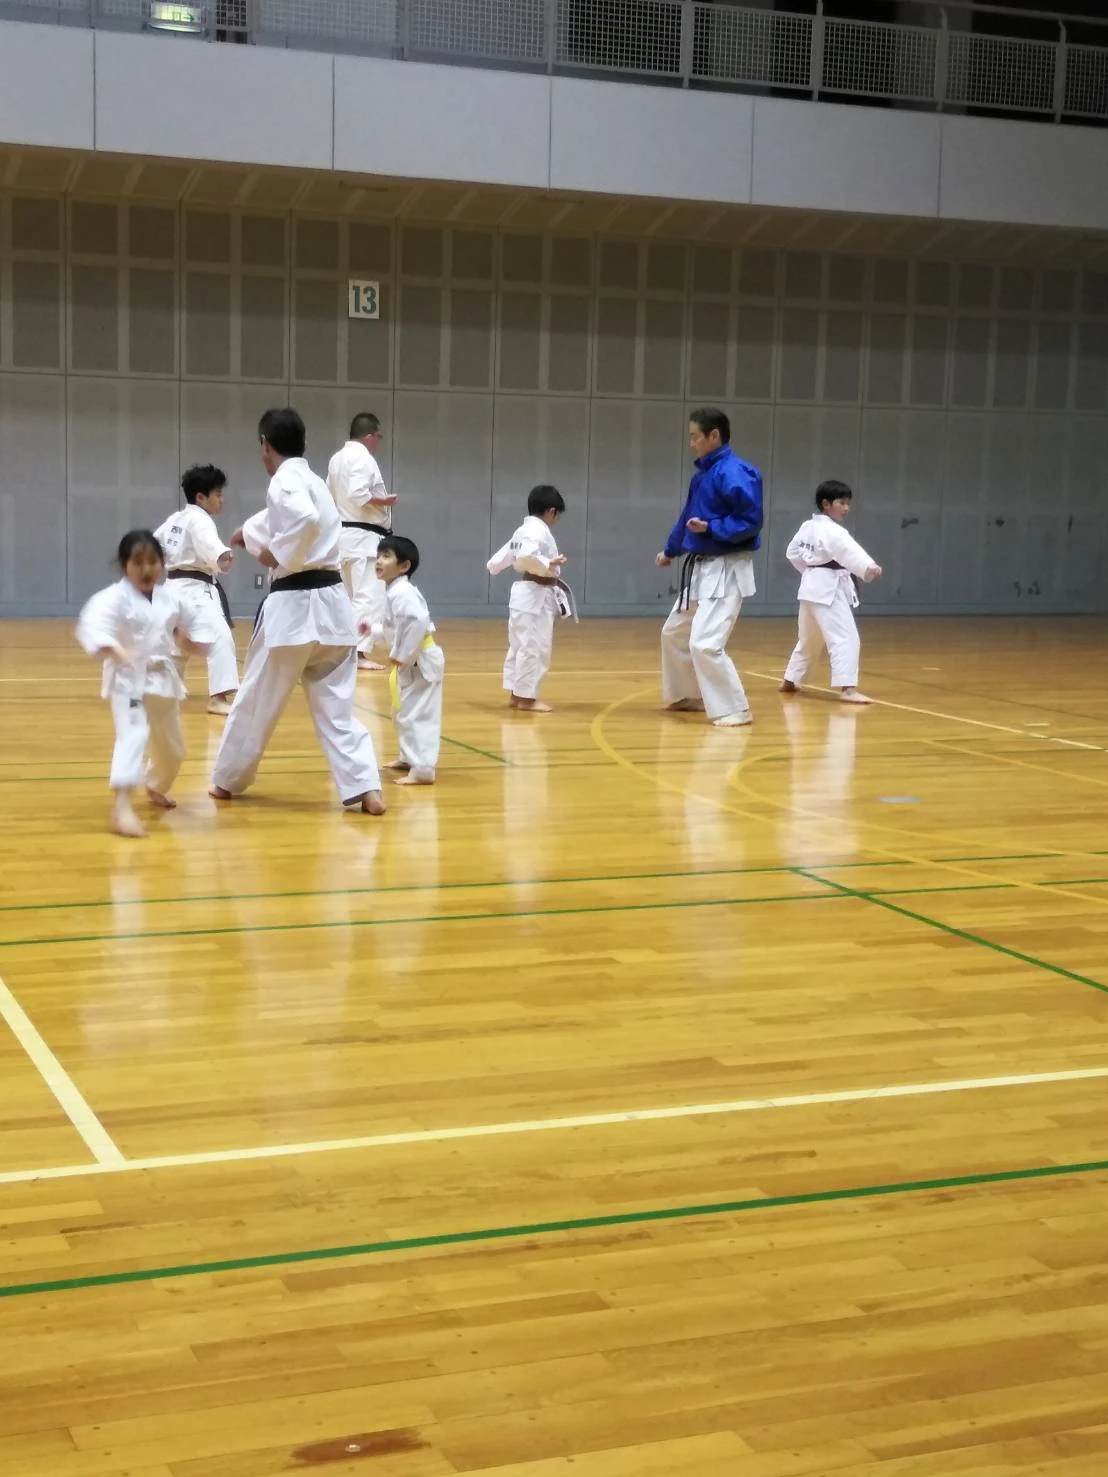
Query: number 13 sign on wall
[(364, 300)]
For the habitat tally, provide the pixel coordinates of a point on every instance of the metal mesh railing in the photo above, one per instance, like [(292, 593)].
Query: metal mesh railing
[(762, 47), (869, 59), (1087, 81), (998, 72), (706, 42)]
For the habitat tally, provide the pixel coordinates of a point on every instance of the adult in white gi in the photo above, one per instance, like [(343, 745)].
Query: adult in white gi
[(139, 626), (717, 532), (195, 557), (416, 663), (304, 632), (365, 507), (538, 597), (828, 560)]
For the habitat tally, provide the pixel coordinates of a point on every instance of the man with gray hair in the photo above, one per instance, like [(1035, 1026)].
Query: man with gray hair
[(365, 507)]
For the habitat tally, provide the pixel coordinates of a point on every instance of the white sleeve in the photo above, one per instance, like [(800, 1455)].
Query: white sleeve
[(255, 533), (358, 482), (209, 547), (503, 559), (849, 552), (410, 624), (98, 623), (294, 523), (800, 551), (378, 492)]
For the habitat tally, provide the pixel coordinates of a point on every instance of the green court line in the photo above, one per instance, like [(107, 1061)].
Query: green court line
[(241, 897), (178, 933), (958, 933), (456, 743), (553, 1228)]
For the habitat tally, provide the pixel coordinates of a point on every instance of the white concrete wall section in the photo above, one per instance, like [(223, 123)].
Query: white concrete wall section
[(238, 104), (831, 157), (652, 141), (251, 104), (46, 86), (428, 122), (1044, 175)]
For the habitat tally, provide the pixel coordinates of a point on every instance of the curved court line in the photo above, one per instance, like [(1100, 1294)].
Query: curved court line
[(550, 1228)]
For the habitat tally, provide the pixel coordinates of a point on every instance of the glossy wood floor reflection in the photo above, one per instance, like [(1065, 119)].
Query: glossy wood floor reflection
[(643, 1100)]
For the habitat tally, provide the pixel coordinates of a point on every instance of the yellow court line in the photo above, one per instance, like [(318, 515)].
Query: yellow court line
[(1082, 779), (596, 730)]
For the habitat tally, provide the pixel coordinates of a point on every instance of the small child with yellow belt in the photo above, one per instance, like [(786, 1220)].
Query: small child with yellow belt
[(416, 663)]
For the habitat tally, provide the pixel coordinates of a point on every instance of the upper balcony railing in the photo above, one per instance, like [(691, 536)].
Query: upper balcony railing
[(959, 57)]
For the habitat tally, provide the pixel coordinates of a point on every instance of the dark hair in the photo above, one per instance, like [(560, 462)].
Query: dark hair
[(284, 430), (543, 498), (199, 480), (403, 548), (365, 423), (827, 492), (134, 542), (710, 418)]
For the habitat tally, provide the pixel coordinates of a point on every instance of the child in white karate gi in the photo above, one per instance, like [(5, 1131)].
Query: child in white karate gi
[(139, 627), (538, 597), (829, 560), (416, 662)]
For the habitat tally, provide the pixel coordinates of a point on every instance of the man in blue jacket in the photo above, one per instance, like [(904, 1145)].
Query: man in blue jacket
[(717, 533)]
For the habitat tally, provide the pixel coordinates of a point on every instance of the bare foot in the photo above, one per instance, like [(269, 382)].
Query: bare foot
[(852, 695), (410, 779), (372, 803), (686, 705), (219, 707), (124, 820), (217, 794), (163, 802), (529, 705), (786, 685), (401, 764), (734, 720), (366, 664)]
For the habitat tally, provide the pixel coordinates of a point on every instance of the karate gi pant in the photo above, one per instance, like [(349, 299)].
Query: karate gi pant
[(832, 626), (149, 745), (329, 676), (366, 591), (530, 644), (695, 663), (419, 723), (211, 628)]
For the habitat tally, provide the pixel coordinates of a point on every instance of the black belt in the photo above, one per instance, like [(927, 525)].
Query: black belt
[(306, 579), (366, 527), (831, 564), (206, 579)]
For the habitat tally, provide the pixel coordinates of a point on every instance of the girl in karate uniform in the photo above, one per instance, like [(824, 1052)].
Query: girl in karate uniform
[(416, 662), (138, 626)]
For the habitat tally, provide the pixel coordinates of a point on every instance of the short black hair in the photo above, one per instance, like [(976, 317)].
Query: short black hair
[(198, 480), (403, 548), (365, 423), (284, 430), (134, 542), (828, 491), (710, 418), (541, 499)]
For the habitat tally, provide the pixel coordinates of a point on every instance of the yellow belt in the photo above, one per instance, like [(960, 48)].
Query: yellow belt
[(394, 673)]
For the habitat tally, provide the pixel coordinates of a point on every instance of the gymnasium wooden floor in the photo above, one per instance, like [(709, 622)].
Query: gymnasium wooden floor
[(644, 1100)]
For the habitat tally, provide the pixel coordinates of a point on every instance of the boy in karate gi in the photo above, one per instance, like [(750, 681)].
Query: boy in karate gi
[(365, 507), (717, 532), (538, 596), (829, 561), (196, 556), (416, 663), (304, 632)]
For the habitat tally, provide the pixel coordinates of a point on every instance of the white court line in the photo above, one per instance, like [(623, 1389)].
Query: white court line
[(881, 702), (102, 1147), (548, 1125)]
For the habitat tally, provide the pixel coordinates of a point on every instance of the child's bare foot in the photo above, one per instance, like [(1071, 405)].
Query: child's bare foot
[(217, 794), (852, 695), (686, 705), (367, 664), (529, 705), (371, 803), (220, 705), (786, 685), (124, 820), (734, 720), (163, 802), (401, 764), (412, 779)]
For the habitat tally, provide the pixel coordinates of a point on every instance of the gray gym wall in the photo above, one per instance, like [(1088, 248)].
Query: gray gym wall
[(966, 403)]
